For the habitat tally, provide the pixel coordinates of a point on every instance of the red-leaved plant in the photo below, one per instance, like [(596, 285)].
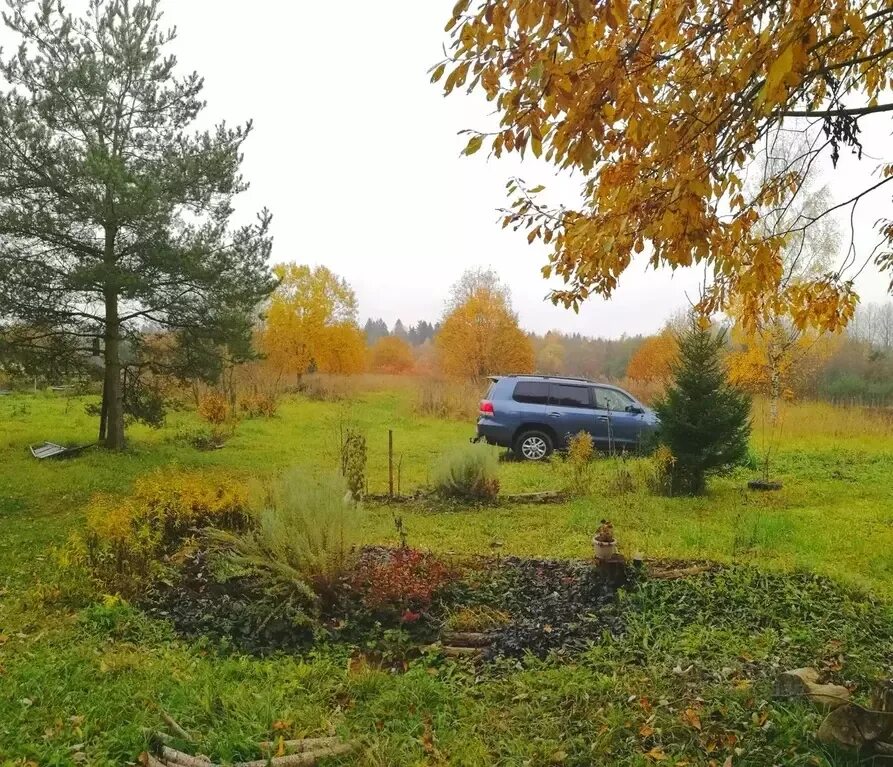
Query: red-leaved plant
[(403, 582)]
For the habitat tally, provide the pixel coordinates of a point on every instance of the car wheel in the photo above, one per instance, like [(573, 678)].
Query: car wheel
[(533, 446)]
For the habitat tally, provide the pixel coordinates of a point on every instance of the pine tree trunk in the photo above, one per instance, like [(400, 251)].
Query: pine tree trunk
[(103, 414), (113, 392)]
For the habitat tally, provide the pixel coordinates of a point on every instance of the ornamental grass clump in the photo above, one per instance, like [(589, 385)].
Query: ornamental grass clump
[(468, 474), (305, 541)]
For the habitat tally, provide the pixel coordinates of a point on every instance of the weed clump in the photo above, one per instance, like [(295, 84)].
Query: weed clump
[(353, 462), (468, 474), (578, 462)]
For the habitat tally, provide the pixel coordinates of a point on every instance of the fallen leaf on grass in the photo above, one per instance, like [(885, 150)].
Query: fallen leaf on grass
[(656, 754), (646, 731), (691, 718)]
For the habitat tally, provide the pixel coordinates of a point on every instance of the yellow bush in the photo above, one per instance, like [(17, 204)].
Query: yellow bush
[(127, 539), (213, 407)]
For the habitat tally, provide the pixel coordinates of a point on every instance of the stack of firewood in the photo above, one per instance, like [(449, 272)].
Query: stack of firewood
[(282, 753)]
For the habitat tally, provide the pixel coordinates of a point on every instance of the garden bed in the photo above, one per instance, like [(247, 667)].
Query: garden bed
[(521, 605)]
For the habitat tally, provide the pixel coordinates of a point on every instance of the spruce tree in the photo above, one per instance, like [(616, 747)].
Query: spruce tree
[(114, 209), (705, 421)]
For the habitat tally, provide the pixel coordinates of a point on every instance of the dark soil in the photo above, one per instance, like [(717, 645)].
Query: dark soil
[(552, 606)]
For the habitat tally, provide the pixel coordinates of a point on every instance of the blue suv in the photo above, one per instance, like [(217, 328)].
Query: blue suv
[(534, 415)]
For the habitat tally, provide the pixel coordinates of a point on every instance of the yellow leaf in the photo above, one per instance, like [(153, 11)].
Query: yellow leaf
[(438, 73), (856, 24), (779, 68), (656, 754), (473, 145)]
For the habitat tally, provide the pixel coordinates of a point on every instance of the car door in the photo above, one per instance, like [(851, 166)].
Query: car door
[(571, 410), (624, 427)]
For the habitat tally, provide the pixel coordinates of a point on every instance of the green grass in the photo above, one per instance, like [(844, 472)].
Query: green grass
[(93, 677)]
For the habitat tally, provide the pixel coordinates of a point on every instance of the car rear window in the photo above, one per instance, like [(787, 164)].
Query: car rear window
[(565, 395), (531, 392)]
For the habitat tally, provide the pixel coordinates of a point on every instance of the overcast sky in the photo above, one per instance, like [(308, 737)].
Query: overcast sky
[(358, 157)]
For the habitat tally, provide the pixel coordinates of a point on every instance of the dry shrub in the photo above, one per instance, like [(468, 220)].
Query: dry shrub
[(448, 399), (659, 477), (469, 473), (127, 538), (213, 407), (258, 405)]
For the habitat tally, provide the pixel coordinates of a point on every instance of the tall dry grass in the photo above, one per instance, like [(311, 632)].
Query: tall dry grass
[(811, 420), (449, 399)]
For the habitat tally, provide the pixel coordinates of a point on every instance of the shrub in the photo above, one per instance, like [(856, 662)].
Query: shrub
[(126, 539), (468, 474), (201, 436), (578, 462), (705, 421), (404, 582), (213, 407), (305, 541), (257, 405), (353, 462)]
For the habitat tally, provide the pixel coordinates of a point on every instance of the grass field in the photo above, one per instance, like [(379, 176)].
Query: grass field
[(76, 686)]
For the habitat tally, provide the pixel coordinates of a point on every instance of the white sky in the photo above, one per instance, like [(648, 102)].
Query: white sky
[(356, 154)]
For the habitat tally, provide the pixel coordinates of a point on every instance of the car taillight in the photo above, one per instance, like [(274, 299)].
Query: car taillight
[(486, 407)]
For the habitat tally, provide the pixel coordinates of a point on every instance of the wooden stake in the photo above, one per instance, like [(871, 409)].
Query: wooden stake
[(391, 463)]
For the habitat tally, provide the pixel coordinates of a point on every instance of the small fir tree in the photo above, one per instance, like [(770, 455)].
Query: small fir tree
[(705, 420)]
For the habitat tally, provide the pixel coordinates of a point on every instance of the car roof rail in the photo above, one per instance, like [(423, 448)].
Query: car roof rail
[(495, 378)]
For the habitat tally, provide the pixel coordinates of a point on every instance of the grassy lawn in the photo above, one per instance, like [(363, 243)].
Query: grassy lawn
[(77, 686)]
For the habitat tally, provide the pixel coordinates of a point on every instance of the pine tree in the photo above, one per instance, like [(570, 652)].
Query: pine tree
[(705, 421), (114, 208)]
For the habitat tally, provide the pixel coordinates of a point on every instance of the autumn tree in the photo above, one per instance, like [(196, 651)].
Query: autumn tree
[(772, 353), (311, 323), (391, 355), (653, 360), (662, 108), (114, 207), (549, 351), (480, 334)]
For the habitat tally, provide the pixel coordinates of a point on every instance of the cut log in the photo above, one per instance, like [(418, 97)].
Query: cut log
[(856, 727), (467, 639), (147, 760), (172, 723), (454, 652), (804, 682), (306, 759), (300, 746), (173, 756), (547, 496)]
